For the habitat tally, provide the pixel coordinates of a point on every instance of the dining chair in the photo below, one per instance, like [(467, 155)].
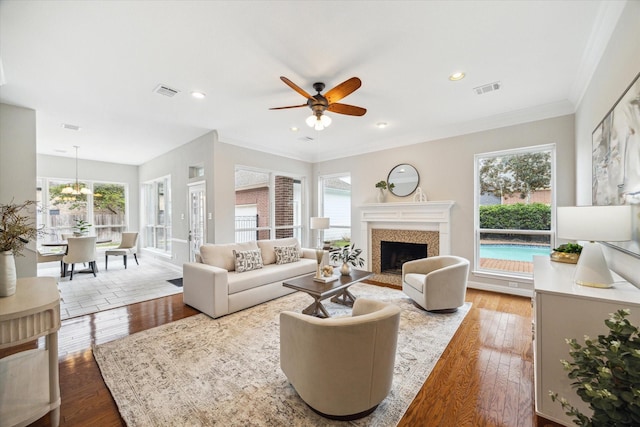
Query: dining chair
[(127, 246), (80, 249)]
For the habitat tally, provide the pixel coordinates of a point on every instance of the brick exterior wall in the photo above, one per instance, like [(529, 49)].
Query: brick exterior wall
[(283, 206)]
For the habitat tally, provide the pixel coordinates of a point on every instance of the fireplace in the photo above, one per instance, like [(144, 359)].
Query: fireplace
[(425, 223), (394, 254)]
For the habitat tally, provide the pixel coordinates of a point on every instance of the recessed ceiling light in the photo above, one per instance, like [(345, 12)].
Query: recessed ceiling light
[(294, 129), (458, 75), (198, 95), (381, 125), (70, 127)]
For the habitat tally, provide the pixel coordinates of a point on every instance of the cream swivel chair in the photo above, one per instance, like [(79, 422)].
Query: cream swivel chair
[(127, 247), (436, 283), (341, 367), (80, 249)]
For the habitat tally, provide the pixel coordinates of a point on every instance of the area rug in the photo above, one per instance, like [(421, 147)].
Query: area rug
[(200, 371)]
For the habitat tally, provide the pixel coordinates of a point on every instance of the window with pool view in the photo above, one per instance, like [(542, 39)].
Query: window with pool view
[(513, 205)]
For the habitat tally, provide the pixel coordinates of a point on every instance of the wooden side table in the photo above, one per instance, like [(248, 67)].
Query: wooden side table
[(29, 386)]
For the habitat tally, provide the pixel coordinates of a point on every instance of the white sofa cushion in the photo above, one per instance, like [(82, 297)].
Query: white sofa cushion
[(268, 248), (415, 280), (221, 255), (239, 282)]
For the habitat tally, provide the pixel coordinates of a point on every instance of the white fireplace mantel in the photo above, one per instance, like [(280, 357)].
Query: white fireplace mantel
[(428, 216)]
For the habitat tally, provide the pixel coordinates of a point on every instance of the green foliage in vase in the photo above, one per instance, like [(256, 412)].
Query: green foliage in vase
[(349, 255), (82, 226), (16, 228), (606, 375), (384, 185)]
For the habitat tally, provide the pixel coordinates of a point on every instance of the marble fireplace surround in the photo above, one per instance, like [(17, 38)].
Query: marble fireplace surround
[(427, 222)]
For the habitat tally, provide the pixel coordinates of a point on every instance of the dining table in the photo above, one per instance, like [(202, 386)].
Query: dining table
[(65, 244)]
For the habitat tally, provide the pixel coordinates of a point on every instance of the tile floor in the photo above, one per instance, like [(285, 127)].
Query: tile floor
[(112, 288)]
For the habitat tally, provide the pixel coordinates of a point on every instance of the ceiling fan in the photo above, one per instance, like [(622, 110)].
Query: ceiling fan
[(328, 102)]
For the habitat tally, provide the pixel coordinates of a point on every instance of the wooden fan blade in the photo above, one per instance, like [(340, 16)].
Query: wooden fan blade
[(350, 110), (295, 87), (291, 106), (342, 90)]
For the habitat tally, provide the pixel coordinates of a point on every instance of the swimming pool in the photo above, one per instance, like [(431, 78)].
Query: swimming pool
[(513, 252)]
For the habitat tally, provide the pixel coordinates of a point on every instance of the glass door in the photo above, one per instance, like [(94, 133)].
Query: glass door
[(197, 218)]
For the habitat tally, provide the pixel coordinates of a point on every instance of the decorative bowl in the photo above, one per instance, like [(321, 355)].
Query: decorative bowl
[(569, 258)]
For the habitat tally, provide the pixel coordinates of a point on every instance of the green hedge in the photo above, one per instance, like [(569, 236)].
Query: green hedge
[(536, 216)]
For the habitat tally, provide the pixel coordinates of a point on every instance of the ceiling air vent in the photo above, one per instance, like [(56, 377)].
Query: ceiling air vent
[(305, 139), (166, 90), (481, 90), (70, 127)]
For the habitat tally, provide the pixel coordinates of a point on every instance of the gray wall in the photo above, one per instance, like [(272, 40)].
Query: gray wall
[(18, 169), (446, 173), (617, 68), (176, 163)]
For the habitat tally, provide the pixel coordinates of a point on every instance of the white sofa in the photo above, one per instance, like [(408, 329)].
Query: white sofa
[(213, 286)]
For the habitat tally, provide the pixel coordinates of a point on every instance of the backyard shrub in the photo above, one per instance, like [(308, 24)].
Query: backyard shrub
[(519, 216)]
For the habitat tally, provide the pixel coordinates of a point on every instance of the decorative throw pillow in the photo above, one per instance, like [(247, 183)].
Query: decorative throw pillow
[(248, 260), (286, 254)]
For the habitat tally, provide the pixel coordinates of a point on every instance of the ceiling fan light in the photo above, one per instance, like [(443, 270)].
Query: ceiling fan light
[(311, 120), (326, 120)]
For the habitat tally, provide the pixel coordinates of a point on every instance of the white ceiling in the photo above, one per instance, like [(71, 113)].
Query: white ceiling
[(95, 64)]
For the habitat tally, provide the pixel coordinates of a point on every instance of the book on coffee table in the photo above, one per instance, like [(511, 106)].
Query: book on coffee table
[(324, 279)]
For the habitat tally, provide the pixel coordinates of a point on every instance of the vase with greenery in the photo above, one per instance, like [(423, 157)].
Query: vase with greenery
[(347, 255), (382, 187), (16, 228), (81, 227), (606, 375)]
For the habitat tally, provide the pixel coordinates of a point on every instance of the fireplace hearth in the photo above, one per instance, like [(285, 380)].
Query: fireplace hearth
[(394, 254)]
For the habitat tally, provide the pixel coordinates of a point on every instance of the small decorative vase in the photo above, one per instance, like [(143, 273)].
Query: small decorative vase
[(345, 270), (380, 196), (7, 274)]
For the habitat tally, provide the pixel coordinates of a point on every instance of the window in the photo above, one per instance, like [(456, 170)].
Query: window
[(335, 203), (513, 207), (267, 204), (157, 214), (105, 209)]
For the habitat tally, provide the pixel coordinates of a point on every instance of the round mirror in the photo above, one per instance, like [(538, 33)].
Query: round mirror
[(404, 178)]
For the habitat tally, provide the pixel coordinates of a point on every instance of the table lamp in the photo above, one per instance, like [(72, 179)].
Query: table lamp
[(594, 223), (319, 223)]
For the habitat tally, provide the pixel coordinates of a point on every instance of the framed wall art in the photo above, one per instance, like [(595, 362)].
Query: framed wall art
[(616, 161)]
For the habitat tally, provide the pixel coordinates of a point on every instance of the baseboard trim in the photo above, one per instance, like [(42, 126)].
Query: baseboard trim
[(500, 289)]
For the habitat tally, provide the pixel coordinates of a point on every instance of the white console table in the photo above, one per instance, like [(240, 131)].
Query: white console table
[(29, 385), (563, 309)]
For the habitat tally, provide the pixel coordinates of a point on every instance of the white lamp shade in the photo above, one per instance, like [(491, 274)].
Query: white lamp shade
[(319, 223), (595, 223)]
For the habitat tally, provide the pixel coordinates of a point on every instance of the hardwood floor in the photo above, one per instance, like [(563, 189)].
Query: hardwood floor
[(484, 377)]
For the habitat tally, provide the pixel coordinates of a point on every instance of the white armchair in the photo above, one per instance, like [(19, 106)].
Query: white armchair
[(436, 283), (127, 247), (342, 367), (80, 249)]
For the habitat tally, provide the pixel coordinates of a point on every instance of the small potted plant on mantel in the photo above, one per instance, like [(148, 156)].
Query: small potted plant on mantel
[(16, 229), (606, 375), (347, 255), (382, 187)]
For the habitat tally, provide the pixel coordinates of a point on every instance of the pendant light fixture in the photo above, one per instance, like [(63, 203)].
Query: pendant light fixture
[(75, 189)]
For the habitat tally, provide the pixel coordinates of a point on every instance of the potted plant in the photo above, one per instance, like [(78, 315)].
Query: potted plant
[(569, 253), (347, 255), (81, 227), (16, 229), (606, 374), (382, 186)]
